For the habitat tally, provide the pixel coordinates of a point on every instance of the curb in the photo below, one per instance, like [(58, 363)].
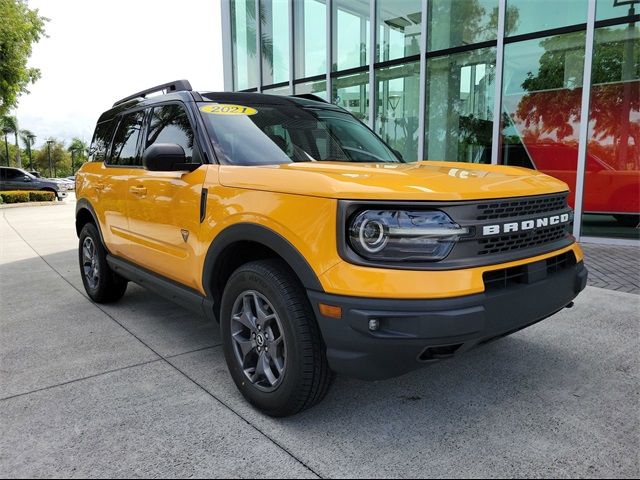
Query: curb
[(30, 204)]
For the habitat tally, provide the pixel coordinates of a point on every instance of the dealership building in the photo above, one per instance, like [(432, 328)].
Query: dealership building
[(484, 81)]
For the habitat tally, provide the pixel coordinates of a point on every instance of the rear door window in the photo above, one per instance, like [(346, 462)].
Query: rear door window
[(100, 142), (124, 151)]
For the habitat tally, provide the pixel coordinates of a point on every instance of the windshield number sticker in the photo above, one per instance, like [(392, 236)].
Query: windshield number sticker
[(226, 109)]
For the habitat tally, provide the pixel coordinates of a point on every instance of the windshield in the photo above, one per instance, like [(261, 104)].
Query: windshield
[(270, 134)]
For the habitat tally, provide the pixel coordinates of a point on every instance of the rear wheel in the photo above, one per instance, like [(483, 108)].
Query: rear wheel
[(101, 283), (272, 343)]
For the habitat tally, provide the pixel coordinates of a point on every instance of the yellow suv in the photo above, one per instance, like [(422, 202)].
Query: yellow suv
[(315, 245)]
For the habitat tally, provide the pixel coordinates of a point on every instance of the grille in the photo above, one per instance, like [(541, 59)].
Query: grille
[(506, 277), (521, 240), (519, 208)]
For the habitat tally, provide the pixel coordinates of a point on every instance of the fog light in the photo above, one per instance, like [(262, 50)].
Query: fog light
[(374, 324)]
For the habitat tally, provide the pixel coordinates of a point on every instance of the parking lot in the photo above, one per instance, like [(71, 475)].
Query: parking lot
[(140, 388)]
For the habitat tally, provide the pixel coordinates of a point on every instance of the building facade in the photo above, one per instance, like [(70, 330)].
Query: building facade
[(546, 84)]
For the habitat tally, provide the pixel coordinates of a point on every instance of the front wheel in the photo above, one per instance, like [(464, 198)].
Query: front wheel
[(272, 343)]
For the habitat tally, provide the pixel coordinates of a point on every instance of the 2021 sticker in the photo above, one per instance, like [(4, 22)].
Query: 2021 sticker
[(228, 109)]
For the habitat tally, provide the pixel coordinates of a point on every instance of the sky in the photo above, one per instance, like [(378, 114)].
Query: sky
[(99, 51)]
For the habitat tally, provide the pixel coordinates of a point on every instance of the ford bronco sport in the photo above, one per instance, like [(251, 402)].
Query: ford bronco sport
[(315, 246)]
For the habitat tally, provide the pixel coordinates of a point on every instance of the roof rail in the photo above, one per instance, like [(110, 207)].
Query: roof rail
[(176, 86), (310, 96)]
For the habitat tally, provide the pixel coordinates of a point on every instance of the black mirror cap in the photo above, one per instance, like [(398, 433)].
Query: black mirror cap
[(166, 157)]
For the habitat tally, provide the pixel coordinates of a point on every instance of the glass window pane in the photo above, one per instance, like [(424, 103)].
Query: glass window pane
[(460, 92), (277, 91), (541, 105), (318, 88), (274, 19), (399, 24), (310, 32), (352, 93), (170, 124), (351, 34), (243, 44), (124, 150), (461, 22), (611, 201), (398, 95), (606, 9), (527, 16)]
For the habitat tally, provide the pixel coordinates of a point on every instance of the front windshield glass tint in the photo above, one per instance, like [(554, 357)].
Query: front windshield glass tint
[(285, 134)]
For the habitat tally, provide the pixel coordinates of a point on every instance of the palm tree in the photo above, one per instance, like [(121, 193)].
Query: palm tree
[(10, 124), (79, 147), (28, 139)]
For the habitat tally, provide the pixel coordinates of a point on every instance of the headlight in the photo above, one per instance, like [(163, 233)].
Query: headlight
[(401, 235)]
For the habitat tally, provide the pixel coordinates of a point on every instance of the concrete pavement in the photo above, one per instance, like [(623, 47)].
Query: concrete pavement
[(140, 388)]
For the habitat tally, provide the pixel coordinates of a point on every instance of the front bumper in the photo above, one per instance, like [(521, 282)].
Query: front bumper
[(414, 332)]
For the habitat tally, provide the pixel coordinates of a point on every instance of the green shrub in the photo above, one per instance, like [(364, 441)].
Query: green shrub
[(41, 196), (21, 196), (14, 196)]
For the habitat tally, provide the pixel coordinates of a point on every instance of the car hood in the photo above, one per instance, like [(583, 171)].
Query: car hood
[(406, 181)]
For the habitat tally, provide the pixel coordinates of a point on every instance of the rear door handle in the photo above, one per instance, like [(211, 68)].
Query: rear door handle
[(138, 190)]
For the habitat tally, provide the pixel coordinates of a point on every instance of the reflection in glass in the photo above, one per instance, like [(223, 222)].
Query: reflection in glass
[(278, 90), (274, 19), (606, 9), (310, 37), (537, 15), (541, 105), (243, 44), (399, 23), (459, 118), (318, 88), (352, 93), (460, 22), (611, 199), (350, 33), (397, 93)]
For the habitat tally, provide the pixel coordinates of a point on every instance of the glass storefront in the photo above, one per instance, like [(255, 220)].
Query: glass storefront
[(399, 29), (274, 38), (397, 113), (453, 23), (351, 92), (611, 200), (459, 106), (449, 103), (541, 100), (243, 42), (351, 34), (310, 38)]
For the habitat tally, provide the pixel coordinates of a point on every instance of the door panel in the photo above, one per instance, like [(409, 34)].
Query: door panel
[(164, 208)]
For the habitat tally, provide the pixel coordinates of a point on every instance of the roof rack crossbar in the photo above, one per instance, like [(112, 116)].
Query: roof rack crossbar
[(176, 86)]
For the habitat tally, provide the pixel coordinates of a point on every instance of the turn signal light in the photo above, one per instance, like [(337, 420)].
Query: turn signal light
[(330, 311)]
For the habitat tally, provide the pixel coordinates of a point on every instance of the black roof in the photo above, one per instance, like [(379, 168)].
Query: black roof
[(181, 90)]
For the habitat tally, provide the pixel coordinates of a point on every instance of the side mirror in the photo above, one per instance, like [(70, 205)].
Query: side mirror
[(166, 157)]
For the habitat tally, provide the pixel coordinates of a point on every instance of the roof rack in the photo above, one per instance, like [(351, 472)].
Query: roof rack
[(176, 86), (310, 96)]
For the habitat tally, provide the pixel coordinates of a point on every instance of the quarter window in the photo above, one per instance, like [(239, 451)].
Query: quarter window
[(170, 124), (125, 143), (100, 142)]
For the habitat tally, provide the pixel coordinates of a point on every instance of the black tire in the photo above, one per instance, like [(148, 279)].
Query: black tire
[(306, 377), (106, 286)]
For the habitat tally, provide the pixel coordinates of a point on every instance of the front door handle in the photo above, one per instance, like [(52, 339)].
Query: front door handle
[(99, 186), (138, 190)]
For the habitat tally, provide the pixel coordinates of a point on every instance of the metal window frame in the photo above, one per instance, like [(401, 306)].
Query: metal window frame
[(584, 118), (497, 100)]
